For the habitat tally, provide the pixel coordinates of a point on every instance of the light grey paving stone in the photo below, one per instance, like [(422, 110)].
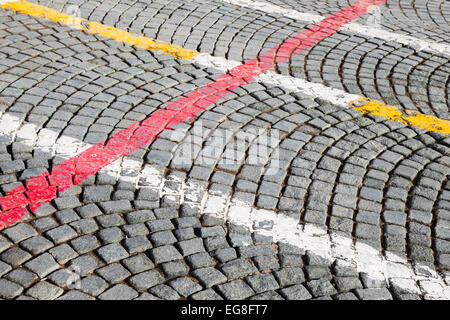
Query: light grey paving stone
[(119, 292), (138, 263), (146, 296), (20, 232), (86, 264), (85, 226), (235, 290), (36, 245), (44, 224), (113, 273), (9, 290), (64, 277), (137, 244), (173, 269), (268, 295), (97, 193), (208, 294), (191, 246), (85, 244), (44, 290), (185, 286), (61, 234), (4, 244), (92, 285), (4, 268), (23, 277), (15, 256), (63, 253), (75, 295), (43, 265), (145, 280), (164, 292), (200, 260), (346, 296), (110, 235), (112, 252)]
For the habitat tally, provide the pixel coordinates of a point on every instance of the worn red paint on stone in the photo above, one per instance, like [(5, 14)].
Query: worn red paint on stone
[(42, 189)]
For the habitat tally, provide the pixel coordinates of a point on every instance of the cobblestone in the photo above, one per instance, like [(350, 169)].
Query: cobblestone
[(204, 210)]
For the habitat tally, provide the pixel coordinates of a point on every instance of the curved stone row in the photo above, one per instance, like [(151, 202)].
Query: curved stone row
[(211, 210), (377, 69)]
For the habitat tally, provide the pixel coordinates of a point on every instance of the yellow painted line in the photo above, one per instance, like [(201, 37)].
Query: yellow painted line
[(407, 117), (142, 42)]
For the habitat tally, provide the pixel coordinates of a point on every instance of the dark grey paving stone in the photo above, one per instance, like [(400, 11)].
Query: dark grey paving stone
[(289, 276), (61, 234), (165, 254), (238, 268), (209, 277), (321, 287), (296, 292), (262, 282)]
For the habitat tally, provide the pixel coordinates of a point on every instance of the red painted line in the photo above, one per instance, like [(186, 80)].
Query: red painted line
[(46, 187)]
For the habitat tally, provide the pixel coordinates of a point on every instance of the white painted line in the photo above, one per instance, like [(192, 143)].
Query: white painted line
[(314, 90), (412, 42)]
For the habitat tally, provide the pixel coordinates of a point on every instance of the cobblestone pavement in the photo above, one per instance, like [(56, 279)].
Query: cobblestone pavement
[(271, 193)]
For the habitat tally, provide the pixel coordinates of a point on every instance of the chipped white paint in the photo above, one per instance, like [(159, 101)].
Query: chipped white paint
[(412, 42), (274, 9), (219, 63), (316, 90), (380, 270)]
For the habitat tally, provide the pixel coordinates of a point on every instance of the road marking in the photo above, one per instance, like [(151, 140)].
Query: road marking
[(99, 29), (407, 117), (338, 97), (43, 188), (414, 43)]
